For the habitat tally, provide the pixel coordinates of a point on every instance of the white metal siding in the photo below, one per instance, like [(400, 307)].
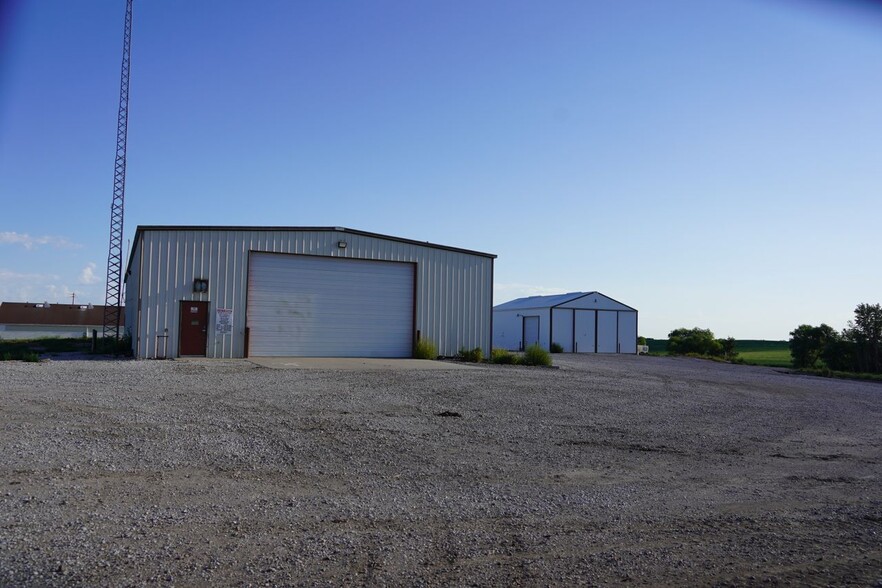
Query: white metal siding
[(507, 330), (453, 289), (310, 306)]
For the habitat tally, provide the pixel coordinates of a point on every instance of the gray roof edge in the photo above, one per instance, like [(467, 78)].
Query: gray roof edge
[(144, 228), (576, 296), (566, 298), (541, 301), (602, 294)]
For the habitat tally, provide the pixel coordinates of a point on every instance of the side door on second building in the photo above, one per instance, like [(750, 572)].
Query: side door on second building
[(531, 331)]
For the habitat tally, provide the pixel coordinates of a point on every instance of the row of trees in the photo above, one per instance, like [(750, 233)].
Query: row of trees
[(858, 348)]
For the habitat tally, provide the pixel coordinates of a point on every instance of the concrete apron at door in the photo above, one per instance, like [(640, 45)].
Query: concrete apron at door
[(356, 363)]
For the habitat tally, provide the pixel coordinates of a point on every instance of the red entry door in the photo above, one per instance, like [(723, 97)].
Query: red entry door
[(194, 327)]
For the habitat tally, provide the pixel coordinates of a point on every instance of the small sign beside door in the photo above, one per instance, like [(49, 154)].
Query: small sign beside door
[(223, 324)]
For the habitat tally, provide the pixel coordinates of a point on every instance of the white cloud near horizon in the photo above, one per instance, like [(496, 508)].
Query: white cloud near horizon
[(34, 287), (87, 275), (10, 275), (29, 242), (24, 287)]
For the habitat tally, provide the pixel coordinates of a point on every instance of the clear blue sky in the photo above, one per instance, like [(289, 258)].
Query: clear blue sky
[(714, 164)]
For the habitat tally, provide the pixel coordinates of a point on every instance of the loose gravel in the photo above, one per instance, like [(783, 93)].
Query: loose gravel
[(608, 470)]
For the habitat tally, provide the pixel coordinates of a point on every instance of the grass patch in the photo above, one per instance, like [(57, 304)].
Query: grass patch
[(31, 349), (764, 353), (425, 349), (556, 348), (767, 358), (750, 351), (503, 357), (22, 355), (475, 355), (828, 373), (18, 347), (535, 355)]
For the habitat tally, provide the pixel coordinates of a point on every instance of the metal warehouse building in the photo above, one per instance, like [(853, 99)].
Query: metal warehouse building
[(230, 292), (580, 322)]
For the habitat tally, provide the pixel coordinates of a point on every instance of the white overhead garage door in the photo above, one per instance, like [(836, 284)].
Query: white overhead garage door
[(607, 331), (310, 306), (627, 332)]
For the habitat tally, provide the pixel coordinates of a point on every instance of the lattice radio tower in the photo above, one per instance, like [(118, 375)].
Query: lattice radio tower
[(113, 294)]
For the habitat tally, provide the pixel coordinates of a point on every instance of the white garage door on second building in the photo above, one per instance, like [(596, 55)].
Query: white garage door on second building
[(311, 306)]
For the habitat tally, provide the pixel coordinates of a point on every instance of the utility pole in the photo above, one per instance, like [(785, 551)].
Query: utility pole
[(113, 293)]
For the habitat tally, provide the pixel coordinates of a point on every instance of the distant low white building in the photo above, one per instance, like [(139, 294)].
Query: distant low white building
[(30, 320), (580, 322)]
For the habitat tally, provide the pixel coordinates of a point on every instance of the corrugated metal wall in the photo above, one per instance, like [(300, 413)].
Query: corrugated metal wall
[(453, 295)]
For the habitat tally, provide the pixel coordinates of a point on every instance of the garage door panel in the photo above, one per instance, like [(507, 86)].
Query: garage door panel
[(627, 332), (585, 331), (311, 306), (607, 331)]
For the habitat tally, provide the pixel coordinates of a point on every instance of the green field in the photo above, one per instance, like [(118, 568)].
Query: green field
[(769, 353), (751, 351)]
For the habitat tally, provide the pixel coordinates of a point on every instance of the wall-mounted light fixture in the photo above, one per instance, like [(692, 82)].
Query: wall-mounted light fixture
[(341, 244), (200, 286)]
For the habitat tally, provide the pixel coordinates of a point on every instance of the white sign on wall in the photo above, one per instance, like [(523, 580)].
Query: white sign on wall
[(223, 324)]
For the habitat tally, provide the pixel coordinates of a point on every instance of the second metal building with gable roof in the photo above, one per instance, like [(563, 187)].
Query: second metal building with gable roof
[(580, 322)]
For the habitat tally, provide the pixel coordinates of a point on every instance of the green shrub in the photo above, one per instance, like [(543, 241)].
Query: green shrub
[(30, 357), (124, 345), (807, 343), (116, 346), (7, 356), (838, 354), (503, 356), (475, 355), (657, 346), (425, 349), (728, 347), (556, 348), (699, 341), (535, 355)]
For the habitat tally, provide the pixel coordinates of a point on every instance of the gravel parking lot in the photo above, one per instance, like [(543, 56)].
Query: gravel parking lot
[(608, 470)]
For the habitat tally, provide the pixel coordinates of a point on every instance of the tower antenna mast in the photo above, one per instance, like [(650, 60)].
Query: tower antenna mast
[(113, 293)]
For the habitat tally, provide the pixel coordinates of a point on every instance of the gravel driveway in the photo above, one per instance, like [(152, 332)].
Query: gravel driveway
[(609, 470)]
